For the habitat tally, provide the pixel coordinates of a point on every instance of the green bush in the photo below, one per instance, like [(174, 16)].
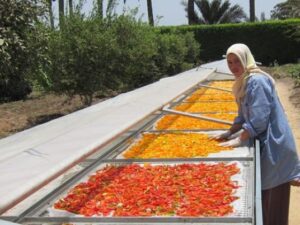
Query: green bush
[(175, 51), (294, 71), (17, 57), (269, 41), (91, 57), (78, 56), (134, 49)]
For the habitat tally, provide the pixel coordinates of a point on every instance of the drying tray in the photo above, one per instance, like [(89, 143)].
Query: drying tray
[(246, 150), (218, 126), (243, 207)]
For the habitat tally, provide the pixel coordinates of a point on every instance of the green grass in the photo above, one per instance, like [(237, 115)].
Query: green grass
[(287, 70)]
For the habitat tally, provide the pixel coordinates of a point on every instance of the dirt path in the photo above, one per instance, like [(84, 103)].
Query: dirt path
[(284, 88)]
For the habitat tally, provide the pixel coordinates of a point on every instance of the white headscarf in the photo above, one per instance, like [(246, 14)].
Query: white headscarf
[(247, 60)]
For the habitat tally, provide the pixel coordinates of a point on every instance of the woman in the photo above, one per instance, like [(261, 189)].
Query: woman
[(261, 116)]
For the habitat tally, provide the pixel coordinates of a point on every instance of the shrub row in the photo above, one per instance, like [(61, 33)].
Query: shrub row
[(271, 41), (90, 57)]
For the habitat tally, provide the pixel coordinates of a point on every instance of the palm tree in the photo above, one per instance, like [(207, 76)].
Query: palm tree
[(51, 13), (71, 7), (150, 12), (252, 10), (100, 8), (285, 10), (295, 8), (111, 4), (217, 11), (61, 12), (191, 11)]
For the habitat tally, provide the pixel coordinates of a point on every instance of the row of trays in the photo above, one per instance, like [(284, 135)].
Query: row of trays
[(171, 170)]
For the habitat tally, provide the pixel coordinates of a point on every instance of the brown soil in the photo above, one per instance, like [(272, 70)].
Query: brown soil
[(290, 99), (37, 109)]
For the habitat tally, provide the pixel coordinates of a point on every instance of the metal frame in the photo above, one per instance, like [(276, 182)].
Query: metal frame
[(206, 101), (115, 154), (91, 165), (173, 104), (139, 220), (216, 88), (34, 214), (258, 198), (176, 112)]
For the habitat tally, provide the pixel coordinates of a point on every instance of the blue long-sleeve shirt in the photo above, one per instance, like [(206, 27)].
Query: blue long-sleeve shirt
[(262, 115)]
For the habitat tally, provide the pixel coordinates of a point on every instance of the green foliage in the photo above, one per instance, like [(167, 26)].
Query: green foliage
[(174, 49), (17, 57), (78, 56), (294, 71), (287, 70), (88, 56), (215, 12), (92, 56), (135, 47), (269, 41), (286, 10)]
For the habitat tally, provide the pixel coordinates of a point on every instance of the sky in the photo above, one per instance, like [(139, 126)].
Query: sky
[(171, 12)]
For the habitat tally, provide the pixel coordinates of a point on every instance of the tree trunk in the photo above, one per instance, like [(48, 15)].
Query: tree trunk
[(191, 12), (100, 8), (61, 12), (51, 14), (150, 12), (71, 7), (252, 10)]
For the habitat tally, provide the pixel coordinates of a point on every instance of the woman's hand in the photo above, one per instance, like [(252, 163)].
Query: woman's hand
[(223, 136), (236, 142)]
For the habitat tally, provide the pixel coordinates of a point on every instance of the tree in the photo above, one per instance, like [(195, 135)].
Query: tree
[(252, 10), (111, 4), (216, 11), (263, 16), (150, 12), (285, 10), (71, 7), (51, 13), (61, 12), (18, 58), (191, 12), (100, 8)]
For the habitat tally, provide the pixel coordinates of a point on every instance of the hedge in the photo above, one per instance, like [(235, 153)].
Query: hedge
[(271, 41)]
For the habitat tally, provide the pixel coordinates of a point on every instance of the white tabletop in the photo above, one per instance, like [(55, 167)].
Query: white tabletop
[(35, 156)]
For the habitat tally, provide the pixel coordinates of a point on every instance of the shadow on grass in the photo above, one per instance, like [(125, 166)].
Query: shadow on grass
[(43, 119)]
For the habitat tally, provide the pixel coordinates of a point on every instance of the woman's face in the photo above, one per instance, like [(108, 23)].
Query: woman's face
[(235, 65)]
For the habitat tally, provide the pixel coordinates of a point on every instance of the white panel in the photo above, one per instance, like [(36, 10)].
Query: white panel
[(30, 158)]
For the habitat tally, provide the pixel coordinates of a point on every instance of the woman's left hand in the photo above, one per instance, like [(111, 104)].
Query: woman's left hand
[(232, 143)]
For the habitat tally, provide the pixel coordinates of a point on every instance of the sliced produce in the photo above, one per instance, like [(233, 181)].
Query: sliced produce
[(222, 84), (173, 145), (174, 122), (162, 190), (204, 97), (202, 107)]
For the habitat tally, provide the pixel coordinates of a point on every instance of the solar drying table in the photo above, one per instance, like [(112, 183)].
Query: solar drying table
[(34, 209)]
